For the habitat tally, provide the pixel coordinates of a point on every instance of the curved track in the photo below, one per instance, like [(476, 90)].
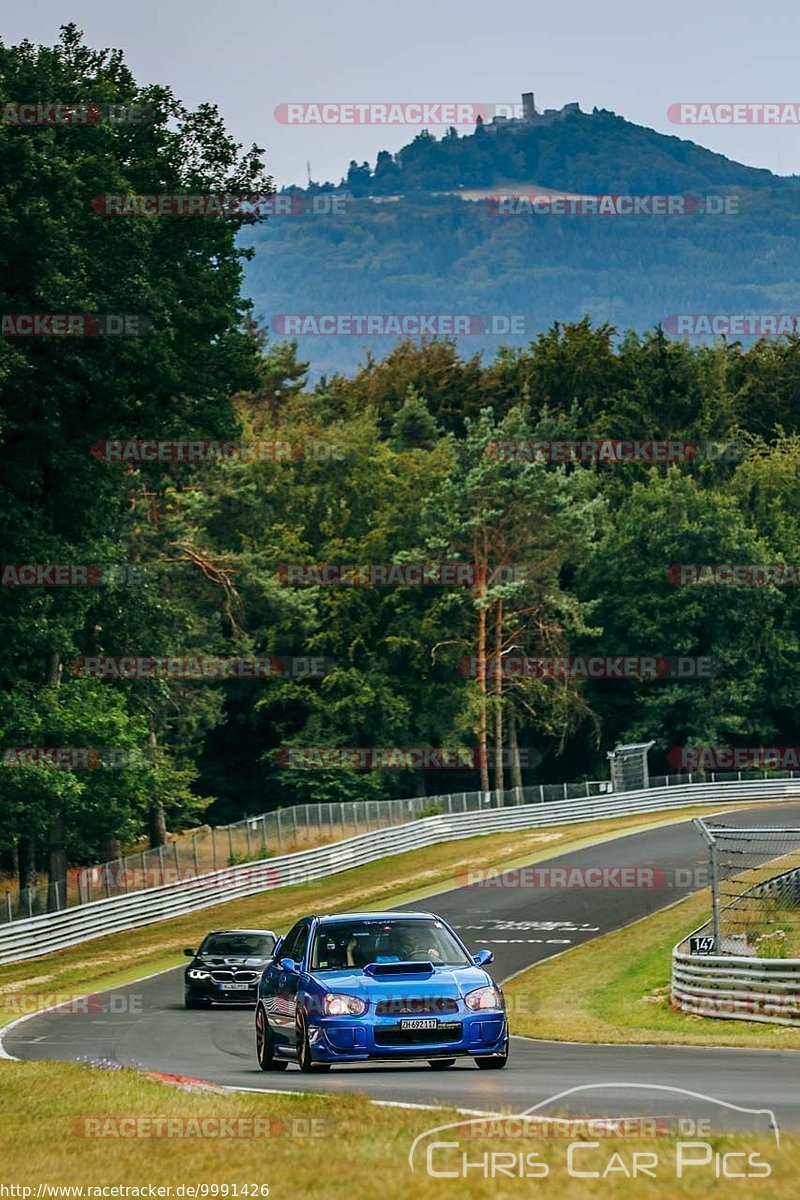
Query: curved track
[(145, 1023)]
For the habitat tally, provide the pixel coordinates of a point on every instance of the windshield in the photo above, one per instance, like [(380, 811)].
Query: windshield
[(342, 944), (249, 945)]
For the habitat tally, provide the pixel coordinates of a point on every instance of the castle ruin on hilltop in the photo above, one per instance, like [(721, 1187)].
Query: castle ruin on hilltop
[(530, 116)]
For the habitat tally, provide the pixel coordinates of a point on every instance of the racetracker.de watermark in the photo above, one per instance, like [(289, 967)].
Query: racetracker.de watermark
[(627, 877), (121, 1128), (556, 204), (218, 204), (397, 324), (121, 877), (734, 758), (713, 325), (593, 666), (193, 450), (610, 450), (207, 667), (734, 112), (83, 574), (401, 758), (444, 574), (70, 1004), (44, 114), (745, 1007), (386, 112), (73, 324), (72, 758), (734, 574)]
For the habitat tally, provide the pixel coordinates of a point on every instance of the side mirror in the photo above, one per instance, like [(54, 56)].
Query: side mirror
[(482, 958), (189, 952), (288, 964)]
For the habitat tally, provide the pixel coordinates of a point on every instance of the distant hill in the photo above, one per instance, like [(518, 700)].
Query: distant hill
[(417, 235)]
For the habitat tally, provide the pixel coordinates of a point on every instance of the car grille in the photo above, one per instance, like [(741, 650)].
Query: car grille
[(393, 1035), (234, 976), (415, 1006)]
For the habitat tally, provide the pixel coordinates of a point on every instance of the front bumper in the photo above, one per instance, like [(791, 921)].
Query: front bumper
[(335, 1039), (207, 989)]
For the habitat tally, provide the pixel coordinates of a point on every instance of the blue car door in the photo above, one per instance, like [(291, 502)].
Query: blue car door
[(282, 984)]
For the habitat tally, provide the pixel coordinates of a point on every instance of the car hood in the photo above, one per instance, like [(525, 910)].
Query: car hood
[(451, 982)]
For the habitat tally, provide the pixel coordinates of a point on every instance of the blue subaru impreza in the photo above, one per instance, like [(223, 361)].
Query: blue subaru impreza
[(360, 987)]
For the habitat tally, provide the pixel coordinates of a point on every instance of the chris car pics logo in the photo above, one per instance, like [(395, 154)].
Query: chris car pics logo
[(624, 1145)]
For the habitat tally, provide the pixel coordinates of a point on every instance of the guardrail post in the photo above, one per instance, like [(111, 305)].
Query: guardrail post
[(177, 861), (294, 820), (194, 855), (715, 915), (214, 847), (264, 831), (280, 830), (30, 901), (247, 835), (8, 905), (713, 874)]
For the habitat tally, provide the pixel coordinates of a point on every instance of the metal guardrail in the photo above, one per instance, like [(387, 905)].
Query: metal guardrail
[(744, 987), (736, 987), (55, 931), (282, 831)]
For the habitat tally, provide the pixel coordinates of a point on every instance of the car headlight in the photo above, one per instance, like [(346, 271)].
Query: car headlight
[(195, 974), (485, 997), (343, 1006)]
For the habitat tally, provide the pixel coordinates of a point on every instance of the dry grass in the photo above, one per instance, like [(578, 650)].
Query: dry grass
[(342, 1148)]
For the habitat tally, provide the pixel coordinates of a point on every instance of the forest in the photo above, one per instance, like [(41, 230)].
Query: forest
[(180, 495)]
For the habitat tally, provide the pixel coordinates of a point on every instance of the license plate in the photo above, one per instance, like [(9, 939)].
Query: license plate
[(234, 987), (420, 1023)]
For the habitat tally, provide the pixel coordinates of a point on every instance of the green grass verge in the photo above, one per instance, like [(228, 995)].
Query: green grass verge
[(310, 1145), (122, 958), (625, 992)]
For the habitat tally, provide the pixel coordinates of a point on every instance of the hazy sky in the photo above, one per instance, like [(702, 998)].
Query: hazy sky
[(621, 55)]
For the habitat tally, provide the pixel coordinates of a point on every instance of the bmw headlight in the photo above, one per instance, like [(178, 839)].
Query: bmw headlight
[(195, 974), (485, 997), (335, 1005)]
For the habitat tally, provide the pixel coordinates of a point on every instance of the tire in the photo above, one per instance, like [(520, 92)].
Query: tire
[(190, 1001), (304, 1059), (441, 1064), (265, 1044), (495, 1063)]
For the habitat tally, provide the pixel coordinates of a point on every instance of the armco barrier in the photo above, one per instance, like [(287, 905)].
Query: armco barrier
[(736, 988), (740, 987), (53, 931)]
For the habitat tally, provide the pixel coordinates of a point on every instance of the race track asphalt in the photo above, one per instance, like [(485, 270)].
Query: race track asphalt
[(146, 1024)]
